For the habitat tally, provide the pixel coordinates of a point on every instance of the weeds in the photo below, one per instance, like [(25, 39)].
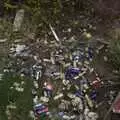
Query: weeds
[(114, 55)]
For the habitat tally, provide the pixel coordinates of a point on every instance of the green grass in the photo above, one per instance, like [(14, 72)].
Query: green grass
[(23, 100), (114, 55)]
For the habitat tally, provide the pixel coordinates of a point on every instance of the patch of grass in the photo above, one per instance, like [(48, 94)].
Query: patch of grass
[(23, 100), (114, 55)]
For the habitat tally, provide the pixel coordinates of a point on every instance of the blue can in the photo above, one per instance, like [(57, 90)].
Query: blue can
[(71, 73), (93, 95), (79, 93), (90, 53)]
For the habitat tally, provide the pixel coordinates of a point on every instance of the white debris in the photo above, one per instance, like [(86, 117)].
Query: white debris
[(62, 106), (38, 75), (22, 74), (35, 83), (22, 82), (6, 70), (92, 115), (69, 30), (89, 101), (73, 117), (47, 60), (65, 82), (31, 114), (19, 48), (16, 84), (19, 89), (44, 99), (52, 59), (18, 20), (7, 112), (1, 76), (68, 86), (100, 47), (11, 87), (34, 92), (54, 33), (35, 100), (58, 96), (65, 117), (3, 40), (76, 101), (11, 106), (91, 70), (105, 58), (87, 35), (80, 106), (17, 40), (86, 111), (67, 64), (70, 95), (45, 93)]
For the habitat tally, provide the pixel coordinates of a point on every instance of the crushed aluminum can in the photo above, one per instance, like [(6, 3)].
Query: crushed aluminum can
[(79, 94), (61, 113), (90, 53), (36, 71), (71, 73), (40, 109), (48, 88), (96, 83), (93, 95)]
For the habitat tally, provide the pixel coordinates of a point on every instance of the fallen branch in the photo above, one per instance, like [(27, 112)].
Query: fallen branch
[(54, 33)]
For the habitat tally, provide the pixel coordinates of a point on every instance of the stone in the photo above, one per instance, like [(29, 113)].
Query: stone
[(18, 20)]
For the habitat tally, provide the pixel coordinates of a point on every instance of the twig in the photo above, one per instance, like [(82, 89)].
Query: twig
[(55, 35)]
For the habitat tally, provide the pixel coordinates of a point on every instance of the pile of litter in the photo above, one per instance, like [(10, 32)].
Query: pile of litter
[(67, 84)]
